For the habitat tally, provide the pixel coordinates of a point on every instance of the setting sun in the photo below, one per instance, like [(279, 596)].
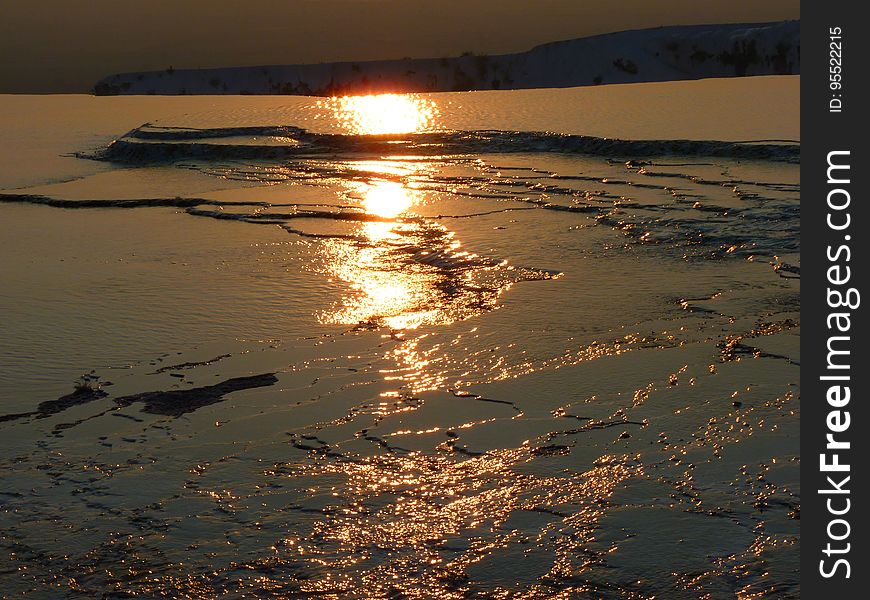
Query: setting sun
[(383, 113)]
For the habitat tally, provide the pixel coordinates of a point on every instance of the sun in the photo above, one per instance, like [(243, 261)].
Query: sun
[(382, 114)]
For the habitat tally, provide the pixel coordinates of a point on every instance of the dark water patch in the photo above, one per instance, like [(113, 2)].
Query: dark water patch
[(52, 407), (177, 202), (175, 403)]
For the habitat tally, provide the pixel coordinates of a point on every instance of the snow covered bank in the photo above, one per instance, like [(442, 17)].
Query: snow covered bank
[(660, 54)]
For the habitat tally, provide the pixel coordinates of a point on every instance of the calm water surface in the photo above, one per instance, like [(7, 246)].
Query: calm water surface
[(537, 344)]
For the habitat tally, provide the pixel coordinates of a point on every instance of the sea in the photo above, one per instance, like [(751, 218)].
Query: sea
[(505, 344)]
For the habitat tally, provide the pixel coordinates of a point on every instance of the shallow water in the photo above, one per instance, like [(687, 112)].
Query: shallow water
[(456, 345)]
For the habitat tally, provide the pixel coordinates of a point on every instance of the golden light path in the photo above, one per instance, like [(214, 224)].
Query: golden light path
[(384, 291), (398, 268)]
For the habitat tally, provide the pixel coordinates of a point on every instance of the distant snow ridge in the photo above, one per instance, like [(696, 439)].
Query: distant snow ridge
[(660, 54)]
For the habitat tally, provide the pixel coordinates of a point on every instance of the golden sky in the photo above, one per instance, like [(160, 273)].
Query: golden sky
[(63, 46)]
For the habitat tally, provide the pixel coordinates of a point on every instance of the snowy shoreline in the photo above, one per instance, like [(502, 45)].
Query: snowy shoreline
[(646, 55)]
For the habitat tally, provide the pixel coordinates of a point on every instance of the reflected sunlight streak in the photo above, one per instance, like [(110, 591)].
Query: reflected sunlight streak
[(382, 293)]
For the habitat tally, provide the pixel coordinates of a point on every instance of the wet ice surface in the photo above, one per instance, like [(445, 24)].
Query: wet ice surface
[(488, 374)]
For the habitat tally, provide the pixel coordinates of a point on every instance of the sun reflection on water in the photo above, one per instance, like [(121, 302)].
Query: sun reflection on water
[(383, 290), (386, 199), (388, 268), (382, 114), (402, 270)]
